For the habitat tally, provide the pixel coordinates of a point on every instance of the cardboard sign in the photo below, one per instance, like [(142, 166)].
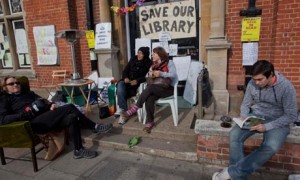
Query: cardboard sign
[(176, 18)]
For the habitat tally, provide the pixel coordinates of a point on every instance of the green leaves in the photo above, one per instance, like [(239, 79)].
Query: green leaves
[(134, 141)]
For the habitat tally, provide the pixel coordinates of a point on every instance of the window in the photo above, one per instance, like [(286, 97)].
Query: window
[(14, 53), (15, 6)]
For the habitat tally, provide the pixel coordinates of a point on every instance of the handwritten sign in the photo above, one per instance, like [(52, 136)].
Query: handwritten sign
[(1, 34), (21, 41), (190, 90), (90, 37), (177, 18), (251, 29), (182, 65), (45, 45), (103, 36), (163, 44), (142, 42)]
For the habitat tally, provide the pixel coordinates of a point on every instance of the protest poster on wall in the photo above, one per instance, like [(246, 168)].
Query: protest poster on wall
[(250, 29), (45, 45), (176, 18)]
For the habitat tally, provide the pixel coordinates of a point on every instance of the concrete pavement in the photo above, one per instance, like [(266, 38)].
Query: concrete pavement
[(110, 164)]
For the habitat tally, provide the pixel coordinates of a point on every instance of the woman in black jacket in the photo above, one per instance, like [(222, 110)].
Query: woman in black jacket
[(44, 117), (133, 75)]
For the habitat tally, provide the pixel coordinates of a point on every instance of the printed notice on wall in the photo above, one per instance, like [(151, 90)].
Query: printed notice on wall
[(250, 53), (45, 45), (164, 36), (103, 36), (176, 18), (173, 49)]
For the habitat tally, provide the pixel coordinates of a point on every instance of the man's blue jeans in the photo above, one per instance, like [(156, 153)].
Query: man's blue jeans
[(241, 166), (122, 95)]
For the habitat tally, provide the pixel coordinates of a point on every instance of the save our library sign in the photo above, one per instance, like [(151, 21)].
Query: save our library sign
[(176, 18), (250, 29)]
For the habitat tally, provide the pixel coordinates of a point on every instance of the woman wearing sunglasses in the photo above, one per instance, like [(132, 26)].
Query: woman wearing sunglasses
[(44, 117)]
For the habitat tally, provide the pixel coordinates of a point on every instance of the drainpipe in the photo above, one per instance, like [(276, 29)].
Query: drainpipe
[(127, 32), (90, 26)]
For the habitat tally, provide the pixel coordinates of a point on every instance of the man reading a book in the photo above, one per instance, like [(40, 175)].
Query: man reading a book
[(269, 95)]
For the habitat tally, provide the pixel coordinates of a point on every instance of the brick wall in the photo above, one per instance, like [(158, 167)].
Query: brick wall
[(213, 148), (279, 38), (64, 14)]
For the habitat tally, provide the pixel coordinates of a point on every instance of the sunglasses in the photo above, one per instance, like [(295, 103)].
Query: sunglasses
[(13, 83)]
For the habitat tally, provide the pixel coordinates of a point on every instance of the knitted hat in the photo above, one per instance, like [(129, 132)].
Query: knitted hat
[(145, 50)]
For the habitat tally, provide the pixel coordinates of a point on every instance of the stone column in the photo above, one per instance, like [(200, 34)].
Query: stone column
[(217, 47), (104, 11), (217, 19), (108, 63)]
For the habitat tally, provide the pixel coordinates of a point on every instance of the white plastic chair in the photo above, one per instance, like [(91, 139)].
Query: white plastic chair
[(93, 76), (171, 100)]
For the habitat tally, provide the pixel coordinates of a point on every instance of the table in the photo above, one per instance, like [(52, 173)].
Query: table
[(87, 82)]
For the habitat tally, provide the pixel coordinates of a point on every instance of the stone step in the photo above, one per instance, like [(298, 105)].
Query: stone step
[(172, 133), (159, 147), (165, 139)]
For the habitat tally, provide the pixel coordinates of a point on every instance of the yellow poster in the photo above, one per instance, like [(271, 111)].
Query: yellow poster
[(90, 37), (250, 29)]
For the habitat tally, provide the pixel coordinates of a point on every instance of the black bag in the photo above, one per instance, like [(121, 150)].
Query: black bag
[(103, 112), (161, 81), (206, 89)]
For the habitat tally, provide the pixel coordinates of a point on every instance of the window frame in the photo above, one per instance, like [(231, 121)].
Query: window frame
[(7, 19)]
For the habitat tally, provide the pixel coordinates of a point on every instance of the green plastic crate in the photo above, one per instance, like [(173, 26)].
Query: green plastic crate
[(79, 100)]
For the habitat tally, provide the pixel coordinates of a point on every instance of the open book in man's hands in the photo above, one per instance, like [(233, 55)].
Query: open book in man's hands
[(248, 122)]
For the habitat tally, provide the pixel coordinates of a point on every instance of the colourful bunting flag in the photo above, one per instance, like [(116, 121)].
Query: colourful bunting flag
[(124, 10)]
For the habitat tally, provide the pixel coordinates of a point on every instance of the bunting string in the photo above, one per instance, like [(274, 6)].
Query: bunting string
[(124, 10)]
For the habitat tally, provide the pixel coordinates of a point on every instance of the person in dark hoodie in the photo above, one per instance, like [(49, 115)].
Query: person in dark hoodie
[(271, 96), (133, 75)]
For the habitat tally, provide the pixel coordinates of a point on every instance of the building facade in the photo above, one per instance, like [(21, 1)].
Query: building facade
[(217, 41)]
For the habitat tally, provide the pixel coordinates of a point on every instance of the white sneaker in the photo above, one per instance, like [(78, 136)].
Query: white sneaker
[(294, 176), (223, 175), (122, 120), (118, 112)]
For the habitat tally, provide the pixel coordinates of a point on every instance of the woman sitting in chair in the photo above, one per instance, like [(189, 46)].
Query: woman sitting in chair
[(133, 75), (161, 67), (44, 117)]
